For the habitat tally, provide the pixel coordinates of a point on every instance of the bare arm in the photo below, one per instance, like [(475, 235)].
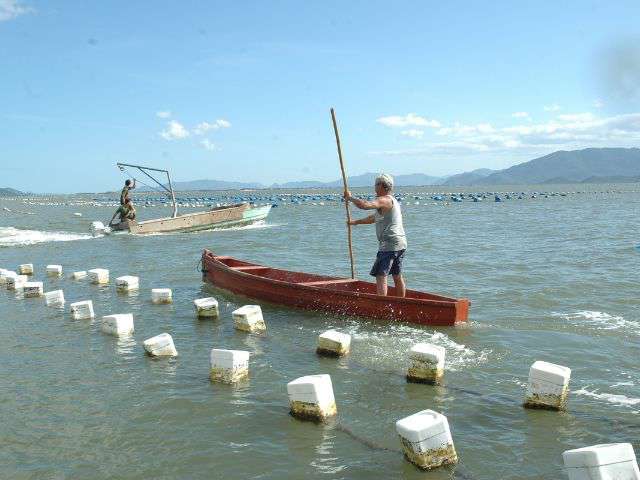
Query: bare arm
[(382, 203), (363, 221)]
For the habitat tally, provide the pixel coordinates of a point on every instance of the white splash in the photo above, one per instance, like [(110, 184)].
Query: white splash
[(608, 397), (599, 320), (387, 346), (12, 237)]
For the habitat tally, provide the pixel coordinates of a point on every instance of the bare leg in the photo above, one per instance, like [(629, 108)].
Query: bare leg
[(401, 289), (381, 284)]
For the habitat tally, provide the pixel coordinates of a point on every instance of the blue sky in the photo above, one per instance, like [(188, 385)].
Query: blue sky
[(242, 90)]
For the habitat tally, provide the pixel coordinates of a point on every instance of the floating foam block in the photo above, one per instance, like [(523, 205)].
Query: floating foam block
[(426, 439), (54, 298), (612, 461), (32, 289), (118, 324), (228, 366), (161, 295), (15, 282), (25, 269), (548, 386), (4, 275), (98, 228), (54, 270), (127, 283), (426, 363), (82, 310), (99, 276), (160, 346), (206, 307), (249, 319), (79, 275), (311, 397), (333, 343)]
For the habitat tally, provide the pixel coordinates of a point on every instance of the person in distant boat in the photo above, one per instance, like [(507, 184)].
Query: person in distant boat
[(128, 185), (126, 212), (392, 241)]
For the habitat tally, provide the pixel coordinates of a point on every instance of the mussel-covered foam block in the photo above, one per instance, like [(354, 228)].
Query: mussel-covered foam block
[(612, 461), (161, 295), (311, 397), (54, 270), (426, 363), (127, 283), (228, 366), (333, 344), (54, 298), (249, 319), (99, 276), (79, 275), (426, 439), (32, 289), (160, 346), (16, 282), (82, 310), (548, 386), (206, 307), (5, 275), (119, 324), (25, 269)]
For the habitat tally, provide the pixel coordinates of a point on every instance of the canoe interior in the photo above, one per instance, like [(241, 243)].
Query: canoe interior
[(319, 281)]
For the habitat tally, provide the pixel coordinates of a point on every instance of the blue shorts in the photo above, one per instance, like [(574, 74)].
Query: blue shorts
[(387, 263)]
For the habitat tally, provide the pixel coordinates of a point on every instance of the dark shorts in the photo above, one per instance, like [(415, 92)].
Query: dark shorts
[(387, 263)]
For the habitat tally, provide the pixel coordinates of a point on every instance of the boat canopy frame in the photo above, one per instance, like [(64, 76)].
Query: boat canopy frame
[(144, 169)]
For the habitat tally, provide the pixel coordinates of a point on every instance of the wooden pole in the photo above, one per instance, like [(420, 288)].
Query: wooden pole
[(346, 187)]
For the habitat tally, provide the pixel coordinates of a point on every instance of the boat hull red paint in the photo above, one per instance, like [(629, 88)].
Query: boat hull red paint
[(329, 294)]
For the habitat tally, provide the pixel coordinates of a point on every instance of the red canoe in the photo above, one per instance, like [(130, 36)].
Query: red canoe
[(329, 294)]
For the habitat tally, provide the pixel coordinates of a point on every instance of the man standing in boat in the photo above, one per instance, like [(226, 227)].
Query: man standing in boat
[(392, 241), (124, 195), (126, 212)]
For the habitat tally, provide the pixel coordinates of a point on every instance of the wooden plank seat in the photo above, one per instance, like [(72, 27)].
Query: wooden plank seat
[(249, 268), (319, 283)]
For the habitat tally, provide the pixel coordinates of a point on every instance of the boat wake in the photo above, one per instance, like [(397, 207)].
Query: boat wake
[(616, 399), (262, 224), (16, 237), (388, 346), (599, 321)]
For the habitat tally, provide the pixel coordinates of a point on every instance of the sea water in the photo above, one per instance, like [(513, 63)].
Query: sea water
[(553, 279)]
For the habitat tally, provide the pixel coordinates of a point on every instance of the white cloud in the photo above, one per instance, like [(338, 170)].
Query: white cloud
[(461, 130), (174, 131), (163, 114), (208, 145), (554, 107), (409, 120), (520, 115), (204, 127), (413, 133), (597, 103), (10, 9)]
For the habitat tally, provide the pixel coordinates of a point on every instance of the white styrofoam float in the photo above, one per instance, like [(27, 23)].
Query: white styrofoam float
[(25, 269), (333, 343), (98, 276), (548, 386), (54, 270), (611, 461), (54, 298), (5, 275), (426, 363), (15, 282), (249, 319), (160, 346), (228, 366), (119, 324), (82, 310), (311, 397), (32, 289), (161, 295), (426, 439), (79, 275), (127, 283), (206, 307)]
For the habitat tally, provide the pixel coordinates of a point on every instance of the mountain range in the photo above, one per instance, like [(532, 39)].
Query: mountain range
[(590, 165)]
